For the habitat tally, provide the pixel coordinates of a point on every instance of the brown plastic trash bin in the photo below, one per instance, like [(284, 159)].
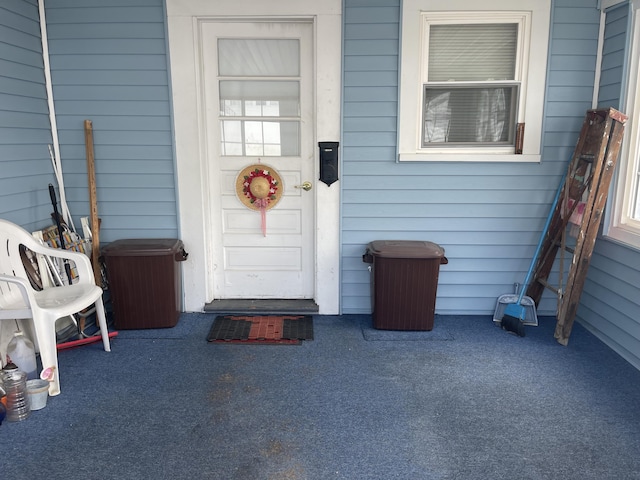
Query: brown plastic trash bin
[(144, 282), (404, 282)]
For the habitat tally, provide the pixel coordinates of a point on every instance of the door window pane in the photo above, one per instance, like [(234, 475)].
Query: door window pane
[(247, 57), (231, 134), (254, 98), (259, 113), (260, 138)]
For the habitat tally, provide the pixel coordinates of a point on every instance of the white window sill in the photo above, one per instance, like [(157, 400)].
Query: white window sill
[(625, 237), (477, 158)]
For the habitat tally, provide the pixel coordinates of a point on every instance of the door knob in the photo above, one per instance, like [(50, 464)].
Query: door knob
[(306, 186)]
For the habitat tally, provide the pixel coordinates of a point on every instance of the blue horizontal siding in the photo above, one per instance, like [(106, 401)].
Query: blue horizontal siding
[(25, 167), (142, 93), (19, 16), (111, 123), (122, 152), (614, 54), (377, 31), (134, 166), (382, 93), (21, 120), (109, 65), (107, 12), (574, 13), (108, 77), (19, 55), (370, 63), (18, 103), (117, 31), (100, 3), (15, 37), (611, 298), (119, 63), (362, 13), (446, 210), (106, 46), (363, 109), (23, 8), (20, 72), (362, 198), (28, 88)]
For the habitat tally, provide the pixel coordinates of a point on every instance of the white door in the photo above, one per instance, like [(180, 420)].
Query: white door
[(257, 86)]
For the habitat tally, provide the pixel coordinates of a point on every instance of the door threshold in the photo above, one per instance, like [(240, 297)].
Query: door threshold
[(263, 306)]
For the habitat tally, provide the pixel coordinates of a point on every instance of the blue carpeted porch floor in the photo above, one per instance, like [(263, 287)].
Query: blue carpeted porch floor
[(465, 401)]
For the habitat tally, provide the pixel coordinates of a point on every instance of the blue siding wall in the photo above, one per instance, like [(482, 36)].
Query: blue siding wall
[(611, 298), (488, 217), (109, 65), (613, 56), (25, 167)]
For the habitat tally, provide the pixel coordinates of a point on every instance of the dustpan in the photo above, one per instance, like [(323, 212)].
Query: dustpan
[(519, 309), (527, 303)]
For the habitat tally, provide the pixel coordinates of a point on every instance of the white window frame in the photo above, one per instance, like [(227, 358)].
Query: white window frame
[(619, 225), (534, 19)]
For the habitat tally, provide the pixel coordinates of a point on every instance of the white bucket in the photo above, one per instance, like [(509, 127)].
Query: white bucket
[(38, 391)]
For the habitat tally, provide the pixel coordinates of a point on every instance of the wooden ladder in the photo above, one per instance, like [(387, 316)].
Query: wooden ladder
[(579, 212)]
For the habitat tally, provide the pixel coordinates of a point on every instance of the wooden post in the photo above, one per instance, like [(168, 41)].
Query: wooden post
[(93, 202)]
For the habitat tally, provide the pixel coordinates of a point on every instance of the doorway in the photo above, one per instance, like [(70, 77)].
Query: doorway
[(258, 92), (231, 113)]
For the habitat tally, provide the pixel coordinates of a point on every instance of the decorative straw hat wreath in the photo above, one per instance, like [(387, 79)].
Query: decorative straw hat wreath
[(259, 187)]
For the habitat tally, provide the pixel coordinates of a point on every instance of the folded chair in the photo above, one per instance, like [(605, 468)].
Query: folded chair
[(19, 300)]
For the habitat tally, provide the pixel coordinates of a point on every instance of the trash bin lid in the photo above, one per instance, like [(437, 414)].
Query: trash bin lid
[(138, 247), (405, 249)]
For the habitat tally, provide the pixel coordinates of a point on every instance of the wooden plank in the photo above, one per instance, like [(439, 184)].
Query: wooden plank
[(93, 202)]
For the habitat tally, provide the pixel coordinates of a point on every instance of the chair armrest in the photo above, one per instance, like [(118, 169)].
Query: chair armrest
[(23, 285), (83, 264)]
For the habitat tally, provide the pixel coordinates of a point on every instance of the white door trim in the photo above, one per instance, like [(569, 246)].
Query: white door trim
[(194, 206)]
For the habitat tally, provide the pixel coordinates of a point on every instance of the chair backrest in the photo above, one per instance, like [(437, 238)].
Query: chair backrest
[(11, 237)]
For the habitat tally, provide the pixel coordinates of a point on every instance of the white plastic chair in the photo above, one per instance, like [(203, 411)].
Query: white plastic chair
[(19, 300)]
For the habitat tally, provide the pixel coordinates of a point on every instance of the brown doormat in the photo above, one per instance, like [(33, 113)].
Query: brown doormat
[(261, 329)]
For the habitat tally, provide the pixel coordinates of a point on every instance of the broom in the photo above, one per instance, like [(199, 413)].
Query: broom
[(515, 313)]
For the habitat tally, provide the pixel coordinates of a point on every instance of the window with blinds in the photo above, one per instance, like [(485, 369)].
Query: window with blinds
[(472, 80), (470, 84)]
